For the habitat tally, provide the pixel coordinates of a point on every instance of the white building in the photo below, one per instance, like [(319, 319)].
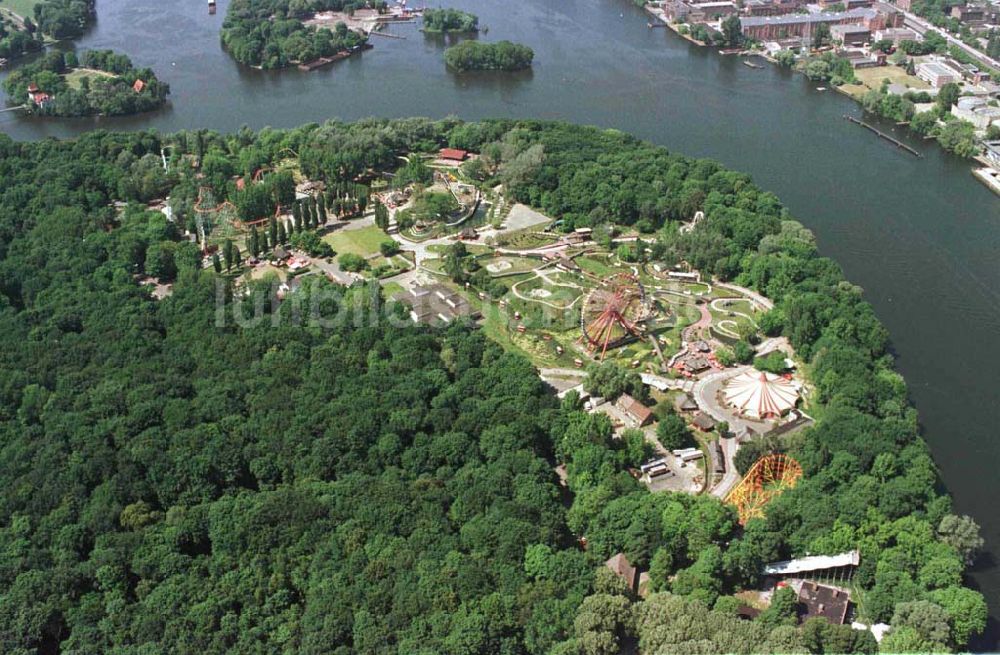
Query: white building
[(937, 73), (897, 35), (976, 111)]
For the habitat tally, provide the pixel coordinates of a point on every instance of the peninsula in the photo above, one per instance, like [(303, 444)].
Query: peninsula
[(272, 34), (284, 392)]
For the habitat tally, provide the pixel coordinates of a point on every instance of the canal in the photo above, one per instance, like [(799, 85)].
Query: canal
[(920, 235)]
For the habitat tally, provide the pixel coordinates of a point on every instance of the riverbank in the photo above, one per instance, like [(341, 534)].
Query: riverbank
[(919, 236), (862, 76)]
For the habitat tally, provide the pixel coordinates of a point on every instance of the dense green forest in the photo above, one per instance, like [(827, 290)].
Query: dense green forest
[(110, 94), (175, 480), (499, 56), (450, 20), (64, 19), (57, 19), (15, 41), (271, 33)]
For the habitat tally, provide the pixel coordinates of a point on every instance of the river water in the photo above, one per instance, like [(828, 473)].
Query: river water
[(920, 235)]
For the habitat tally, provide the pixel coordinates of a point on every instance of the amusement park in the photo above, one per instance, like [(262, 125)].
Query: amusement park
[(571, 300), (715, 402)]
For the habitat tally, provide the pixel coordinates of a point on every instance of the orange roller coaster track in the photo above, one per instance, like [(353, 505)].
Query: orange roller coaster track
[(766, 479)]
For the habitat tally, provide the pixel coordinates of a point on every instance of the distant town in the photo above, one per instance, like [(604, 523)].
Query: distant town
[(933, 72)]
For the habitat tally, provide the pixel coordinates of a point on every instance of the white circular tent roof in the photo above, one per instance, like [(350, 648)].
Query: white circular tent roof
[(757, 394)]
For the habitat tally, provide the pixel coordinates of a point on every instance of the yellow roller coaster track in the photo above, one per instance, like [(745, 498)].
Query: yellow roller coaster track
[(767, 478)]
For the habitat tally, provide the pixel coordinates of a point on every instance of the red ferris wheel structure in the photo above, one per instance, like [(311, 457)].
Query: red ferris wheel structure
[(613, 313)]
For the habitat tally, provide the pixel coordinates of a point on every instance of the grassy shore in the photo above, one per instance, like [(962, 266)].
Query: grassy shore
[(871, 78)]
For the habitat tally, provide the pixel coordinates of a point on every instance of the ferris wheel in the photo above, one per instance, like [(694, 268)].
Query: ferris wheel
[(613, 312)]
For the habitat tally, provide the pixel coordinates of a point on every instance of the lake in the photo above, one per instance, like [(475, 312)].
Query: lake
[(920, 235)]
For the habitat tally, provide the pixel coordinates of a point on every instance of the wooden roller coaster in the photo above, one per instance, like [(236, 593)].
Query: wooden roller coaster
[(766, 479)]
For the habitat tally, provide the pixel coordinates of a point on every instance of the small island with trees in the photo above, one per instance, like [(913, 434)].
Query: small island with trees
[(443, 21), (97, 82), (271, 34), (499, 56)]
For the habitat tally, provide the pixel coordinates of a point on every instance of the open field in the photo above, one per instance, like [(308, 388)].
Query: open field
[(525, 239), (75, 76), (23, 8), (506, 265), (263, 271), (471, 248), (596, 265), (362, 241), (871, 78), (390, 289)]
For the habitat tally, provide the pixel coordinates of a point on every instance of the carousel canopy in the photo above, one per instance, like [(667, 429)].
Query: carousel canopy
[(757, 394)]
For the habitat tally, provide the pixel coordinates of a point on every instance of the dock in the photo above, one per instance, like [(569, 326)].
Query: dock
[(896, 142), (747, 62), (316, 64), (990, 177)]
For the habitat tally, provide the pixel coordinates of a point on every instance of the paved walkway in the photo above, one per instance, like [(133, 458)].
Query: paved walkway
[(706, 393), (663, 383)]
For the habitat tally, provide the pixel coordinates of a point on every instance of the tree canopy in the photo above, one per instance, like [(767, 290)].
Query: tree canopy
[(272, 34), (173, 481)]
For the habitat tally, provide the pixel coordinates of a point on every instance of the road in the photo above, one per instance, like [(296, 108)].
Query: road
[(922, 26), (762, 302), (704, 394)]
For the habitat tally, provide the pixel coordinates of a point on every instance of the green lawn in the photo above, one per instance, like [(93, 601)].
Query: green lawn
[(23, 8), (363, 241), (390, 289), (597, 266), (471, 248), (74, 77), (871, 78)]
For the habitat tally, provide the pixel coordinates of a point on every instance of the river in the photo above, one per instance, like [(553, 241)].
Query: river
[(920, 235)]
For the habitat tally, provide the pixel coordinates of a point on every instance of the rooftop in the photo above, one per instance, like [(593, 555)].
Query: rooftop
[(937, 68), (813, 563), (621, 567), (830, 603), (634, 408), (795, 19), (436, 303)]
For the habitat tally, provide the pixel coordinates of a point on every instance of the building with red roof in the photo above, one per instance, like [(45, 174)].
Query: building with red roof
[(138, 86), (453, 154)]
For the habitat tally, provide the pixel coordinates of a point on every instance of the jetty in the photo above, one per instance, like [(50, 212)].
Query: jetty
[(990, 177), (326, 61), (896, 142), (747, 62)]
